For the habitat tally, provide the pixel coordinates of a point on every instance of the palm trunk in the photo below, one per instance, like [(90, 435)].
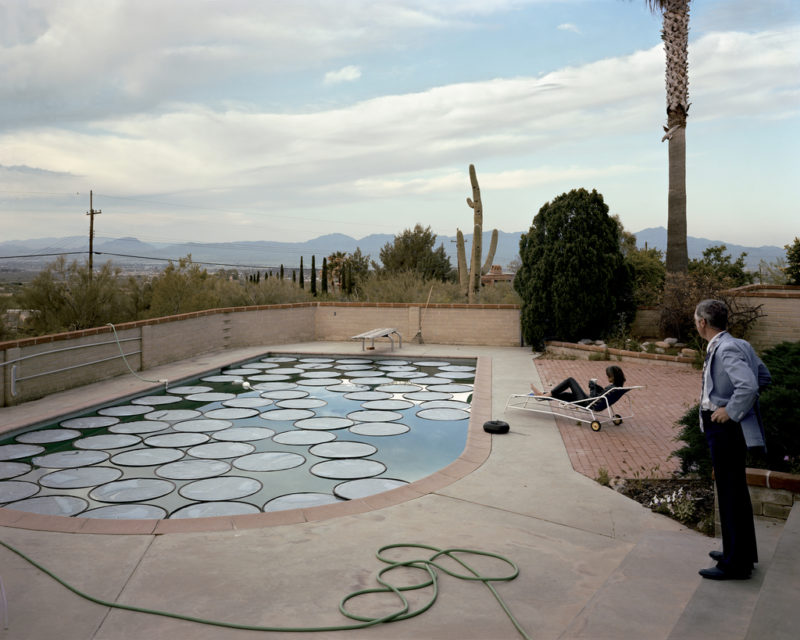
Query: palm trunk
[(675, 34), (677, 259)]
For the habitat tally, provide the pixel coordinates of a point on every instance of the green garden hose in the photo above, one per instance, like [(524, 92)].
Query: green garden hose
[(427, 565)]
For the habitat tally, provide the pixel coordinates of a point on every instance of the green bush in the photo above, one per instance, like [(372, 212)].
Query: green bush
[(694, 455), (573, 279), (780, 411)]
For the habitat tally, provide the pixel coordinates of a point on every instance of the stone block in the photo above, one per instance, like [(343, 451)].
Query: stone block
[(776, 510), (774, 496)]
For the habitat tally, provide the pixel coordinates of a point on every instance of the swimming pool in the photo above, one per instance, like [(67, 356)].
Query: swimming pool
[(308, 431)]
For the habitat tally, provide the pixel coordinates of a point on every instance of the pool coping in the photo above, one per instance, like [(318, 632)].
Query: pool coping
[(476, 451)]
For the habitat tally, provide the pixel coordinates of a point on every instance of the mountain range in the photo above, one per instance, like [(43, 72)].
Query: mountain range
[(264, 254)]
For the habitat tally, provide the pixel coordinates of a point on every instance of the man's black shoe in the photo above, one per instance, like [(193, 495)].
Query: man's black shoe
[(718, 574)]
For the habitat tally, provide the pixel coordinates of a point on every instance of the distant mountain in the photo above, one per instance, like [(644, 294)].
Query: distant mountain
[(263, 254), (656, 238)]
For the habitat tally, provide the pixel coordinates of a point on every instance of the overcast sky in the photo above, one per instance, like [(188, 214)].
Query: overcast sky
[(286, 120)]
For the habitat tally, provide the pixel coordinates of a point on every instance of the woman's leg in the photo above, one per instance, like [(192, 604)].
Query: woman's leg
[(568, 390)]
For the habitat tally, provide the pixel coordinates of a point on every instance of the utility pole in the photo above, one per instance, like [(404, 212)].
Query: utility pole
[(91, 213)]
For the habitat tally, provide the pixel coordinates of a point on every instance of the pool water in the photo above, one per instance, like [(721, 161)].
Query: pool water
[(279, 432)]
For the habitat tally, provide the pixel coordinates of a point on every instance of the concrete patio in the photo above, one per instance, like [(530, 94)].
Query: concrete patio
[(593, 564)]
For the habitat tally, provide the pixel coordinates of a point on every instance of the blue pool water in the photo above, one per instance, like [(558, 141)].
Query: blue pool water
[(278, 432)]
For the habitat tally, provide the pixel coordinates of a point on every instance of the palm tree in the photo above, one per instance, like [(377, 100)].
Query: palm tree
[(675, 34)]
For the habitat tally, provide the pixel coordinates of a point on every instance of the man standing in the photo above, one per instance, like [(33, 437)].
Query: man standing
[(729, 416)]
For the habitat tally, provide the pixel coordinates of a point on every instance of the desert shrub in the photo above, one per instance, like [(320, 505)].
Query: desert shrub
[(408, 286), (69, 296), (682, 292)]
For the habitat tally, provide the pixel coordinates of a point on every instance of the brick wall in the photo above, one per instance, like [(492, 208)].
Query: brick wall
[(645, 324), (337, 321), (781, 308), (53, 363), (780, 322)]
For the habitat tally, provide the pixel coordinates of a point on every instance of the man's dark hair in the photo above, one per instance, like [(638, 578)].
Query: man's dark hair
[(714, 312)]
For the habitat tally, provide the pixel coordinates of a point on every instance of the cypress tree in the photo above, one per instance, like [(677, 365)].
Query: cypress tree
[(313, 276), (324, 275), (302, 283), (573, 281), (346, 279), (281, 272)]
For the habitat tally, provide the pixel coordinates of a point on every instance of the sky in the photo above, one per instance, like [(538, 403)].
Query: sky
[(283, 121)]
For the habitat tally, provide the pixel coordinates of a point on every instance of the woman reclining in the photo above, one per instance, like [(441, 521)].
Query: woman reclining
[(570, 390)]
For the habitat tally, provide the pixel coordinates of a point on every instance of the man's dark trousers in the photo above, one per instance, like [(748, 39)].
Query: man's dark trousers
[(728, 453)]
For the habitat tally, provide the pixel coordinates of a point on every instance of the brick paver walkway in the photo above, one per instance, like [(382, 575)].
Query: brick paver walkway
[(641, 445)]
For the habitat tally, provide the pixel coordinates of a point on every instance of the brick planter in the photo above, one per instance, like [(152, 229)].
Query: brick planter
[(773, 492)]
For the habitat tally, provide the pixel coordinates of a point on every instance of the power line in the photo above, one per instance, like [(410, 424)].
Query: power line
[(42, 255), (127, 255), (218, 264)]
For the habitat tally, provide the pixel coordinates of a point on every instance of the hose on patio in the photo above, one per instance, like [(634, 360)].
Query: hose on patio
[(427, 565)]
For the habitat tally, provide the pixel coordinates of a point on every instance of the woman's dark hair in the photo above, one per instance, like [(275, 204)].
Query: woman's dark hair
[(616, 375)]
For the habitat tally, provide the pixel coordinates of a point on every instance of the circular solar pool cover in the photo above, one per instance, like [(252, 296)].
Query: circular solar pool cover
[(304, 431)]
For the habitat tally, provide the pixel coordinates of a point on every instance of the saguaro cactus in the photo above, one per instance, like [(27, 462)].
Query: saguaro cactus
[(471, 282)]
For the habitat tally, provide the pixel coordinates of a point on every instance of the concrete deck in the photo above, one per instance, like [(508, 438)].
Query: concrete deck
[(593, 564)]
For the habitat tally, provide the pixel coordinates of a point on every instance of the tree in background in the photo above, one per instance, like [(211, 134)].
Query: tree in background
[(793, 262), (413, 251), (648, 275), (573, 280), (324, 276), (336, 265), (358, 269), (302, 276), (773, 272), (647, 266), (313, 275), (717, 265), (68, 297), (712, 276), (281, 271), (183, 288)]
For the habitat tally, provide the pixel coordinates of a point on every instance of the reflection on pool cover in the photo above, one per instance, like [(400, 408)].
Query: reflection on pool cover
[(304, 431)]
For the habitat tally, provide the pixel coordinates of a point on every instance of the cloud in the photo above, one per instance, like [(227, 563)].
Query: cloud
[(568, 26), (192, 146), (345, 74)]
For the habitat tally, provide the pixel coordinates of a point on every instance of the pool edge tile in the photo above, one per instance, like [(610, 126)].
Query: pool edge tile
[(269, 519), (194, 525), (118, 527), (38, 522)]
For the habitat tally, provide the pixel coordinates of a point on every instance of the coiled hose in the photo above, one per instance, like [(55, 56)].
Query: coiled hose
[(427, 565)]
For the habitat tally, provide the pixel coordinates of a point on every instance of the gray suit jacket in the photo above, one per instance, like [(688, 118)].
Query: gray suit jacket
[(735, 378)]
